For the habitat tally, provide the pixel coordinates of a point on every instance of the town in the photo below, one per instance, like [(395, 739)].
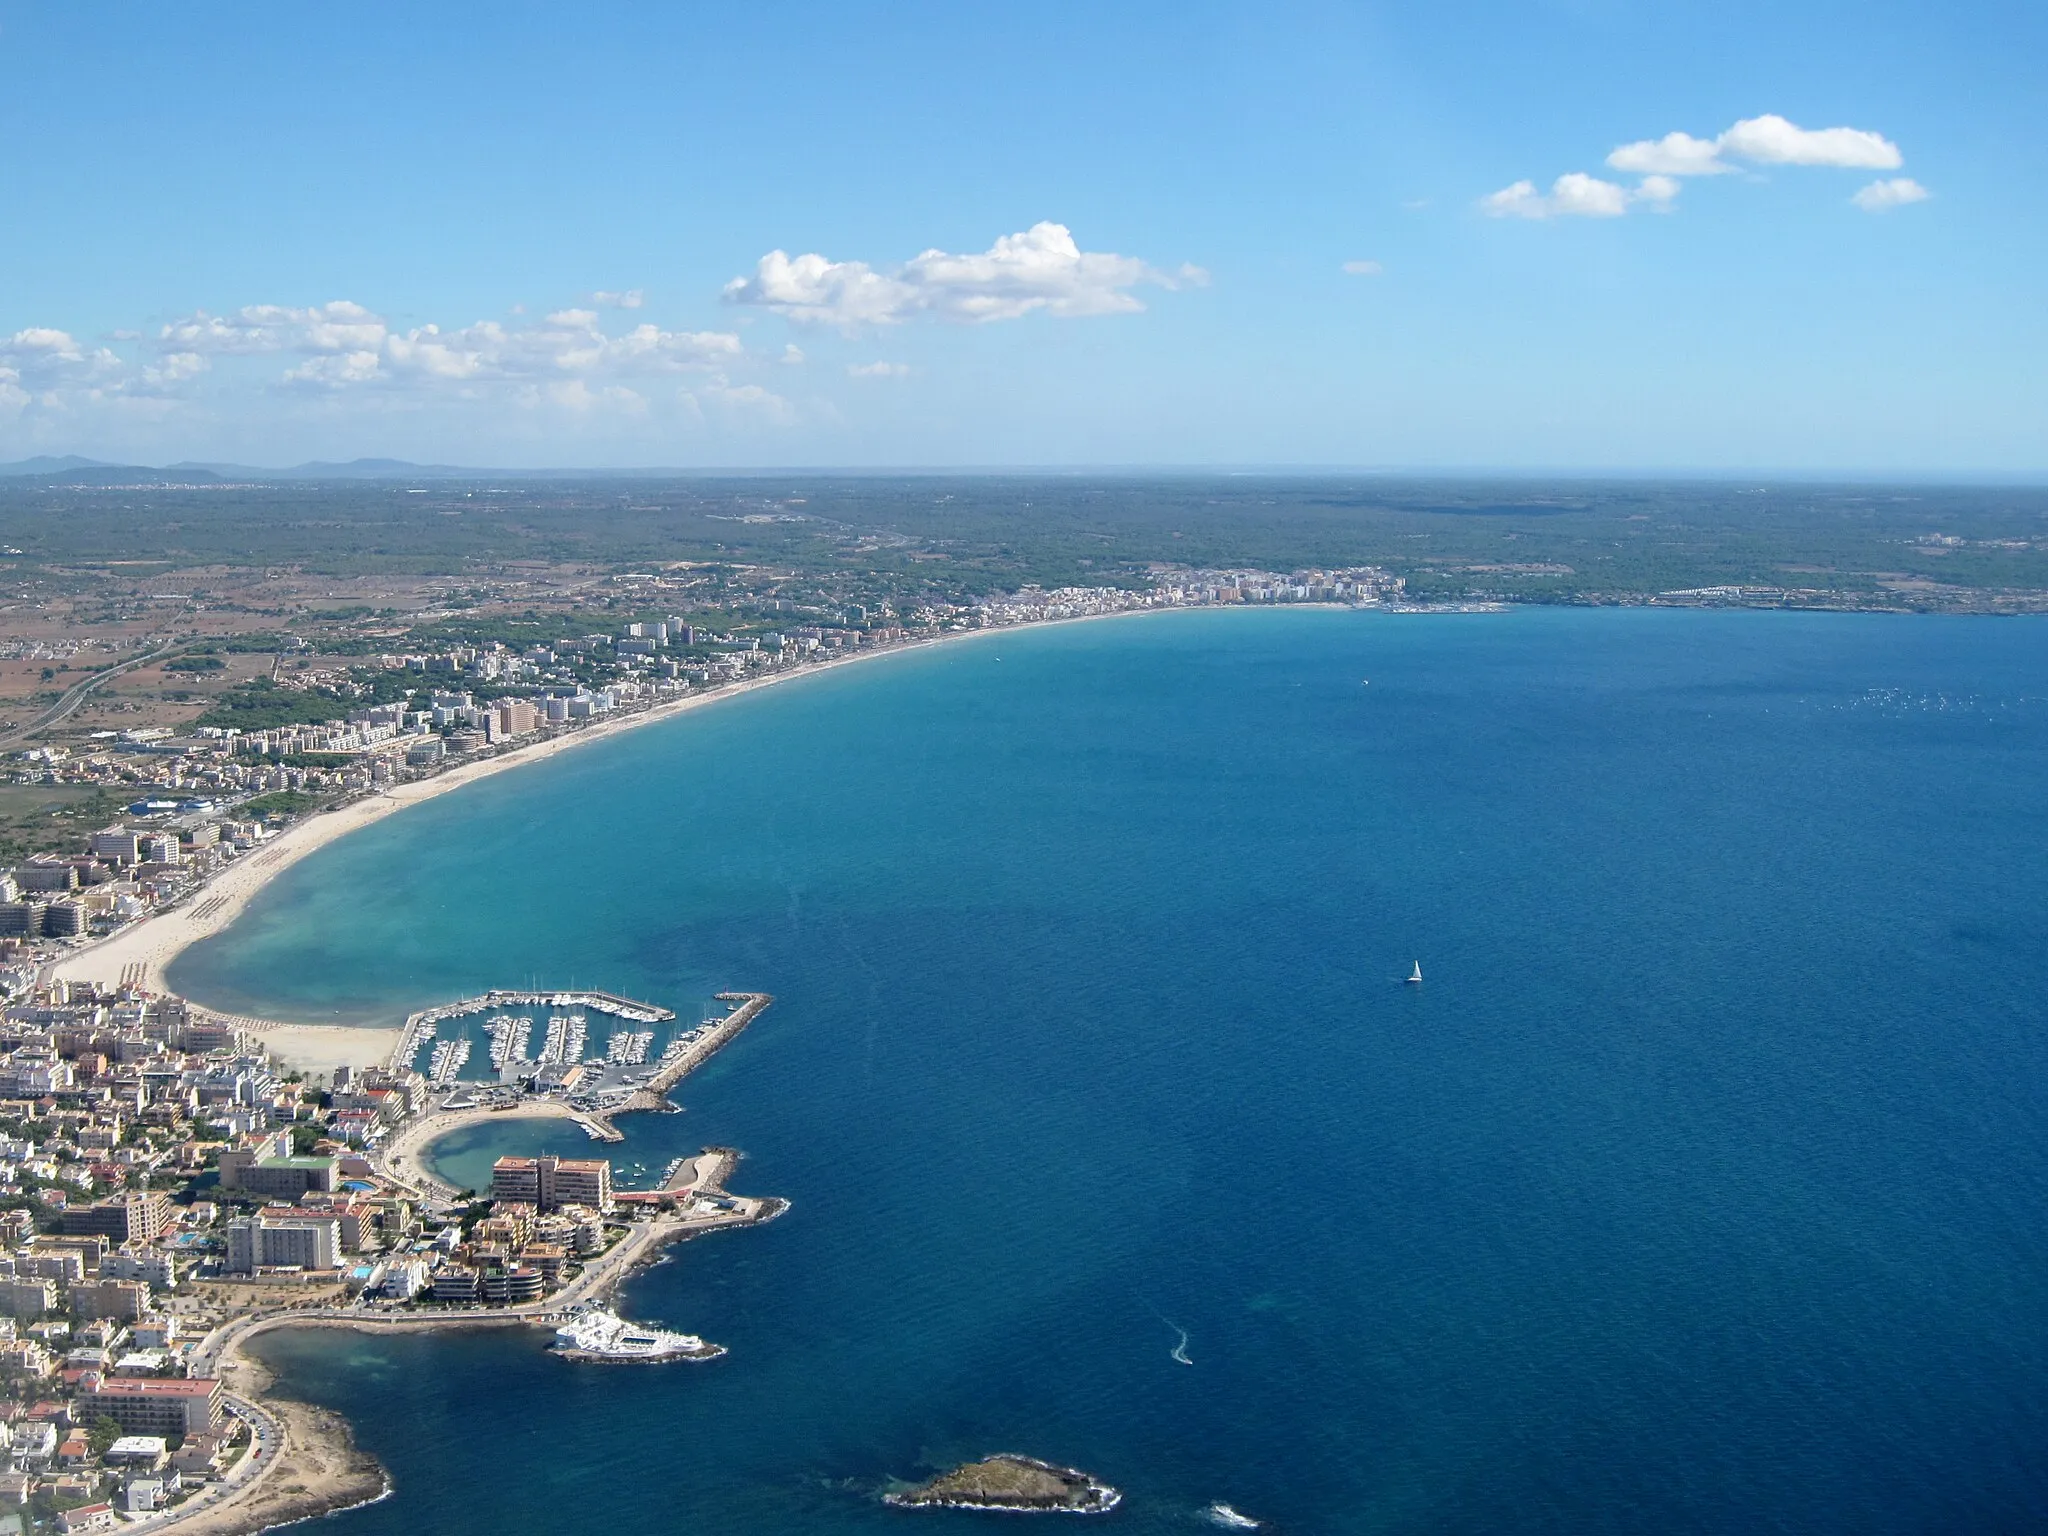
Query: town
[(166, 1190)]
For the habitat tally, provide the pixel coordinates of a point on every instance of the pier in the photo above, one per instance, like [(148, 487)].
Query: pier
[(674, 1068)]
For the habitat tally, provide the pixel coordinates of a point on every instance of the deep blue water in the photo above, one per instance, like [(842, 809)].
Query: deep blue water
[(1701, 1187)]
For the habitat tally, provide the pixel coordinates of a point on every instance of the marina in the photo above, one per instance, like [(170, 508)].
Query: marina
[(554, 1054), (421, 1026)]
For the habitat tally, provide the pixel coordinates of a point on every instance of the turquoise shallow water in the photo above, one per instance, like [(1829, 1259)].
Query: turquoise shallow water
[(1700, 1187)]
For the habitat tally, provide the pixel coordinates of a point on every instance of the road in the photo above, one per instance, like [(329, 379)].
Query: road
[(67, 705)]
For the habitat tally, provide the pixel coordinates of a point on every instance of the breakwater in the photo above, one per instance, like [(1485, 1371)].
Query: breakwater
[(673, 1069)]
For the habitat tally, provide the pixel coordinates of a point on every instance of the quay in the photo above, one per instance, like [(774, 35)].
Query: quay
[(654, 1095)]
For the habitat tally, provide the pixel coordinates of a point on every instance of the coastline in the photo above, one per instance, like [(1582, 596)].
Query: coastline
[(404, 1158), (320, 1469), (141, 953)]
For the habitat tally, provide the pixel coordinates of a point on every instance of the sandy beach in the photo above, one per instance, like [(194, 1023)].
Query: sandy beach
[(401, 1157)]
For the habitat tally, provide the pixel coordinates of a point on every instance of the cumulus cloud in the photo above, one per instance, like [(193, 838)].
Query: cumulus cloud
[(631, 298), (41, 366), (1367, 268), (1676, 154), (346, 345), (337, 327), (877, 370), (1576, 195), (1892, 192), (1040, 269), (1656, 193), (1766, 140), (1771, 140)]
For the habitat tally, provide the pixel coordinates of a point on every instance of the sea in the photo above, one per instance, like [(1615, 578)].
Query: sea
[(1700, 1186)]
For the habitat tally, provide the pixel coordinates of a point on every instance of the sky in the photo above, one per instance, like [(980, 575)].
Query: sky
[(1585, 235)]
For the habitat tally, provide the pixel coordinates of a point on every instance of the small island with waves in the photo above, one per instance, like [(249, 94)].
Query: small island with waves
[(1011, 1484)]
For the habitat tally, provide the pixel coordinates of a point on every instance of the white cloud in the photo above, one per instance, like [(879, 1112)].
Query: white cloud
[(578, 398), (877, 370), (1676, 154), (347, 345), (337, 327), (41, 359), (1368, 268), (631, 298), (1576, 195), (335, 370), (1766, 140), (1892, 192), (1040, 269), (810, 288), (1771, 140), (792, 354), (1588, 197), (1657, 192)]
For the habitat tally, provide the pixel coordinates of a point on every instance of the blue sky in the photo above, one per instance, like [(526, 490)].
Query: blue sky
[(543, 235)]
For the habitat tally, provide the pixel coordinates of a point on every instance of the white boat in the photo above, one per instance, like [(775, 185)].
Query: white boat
[(1415, 976), (597, 1334)]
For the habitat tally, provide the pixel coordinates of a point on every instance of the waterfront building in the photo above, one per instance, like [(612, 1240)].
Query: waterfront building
[(547, 1258), (509, 1286), (403, 1279), (548, 1183), (150, 1406), (288, 1241), (66, 920), (456, 1283), (143, 1451)]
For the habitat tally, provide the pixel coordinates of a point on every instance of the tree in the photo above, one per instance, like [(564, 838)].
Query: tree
[(104, 1432)]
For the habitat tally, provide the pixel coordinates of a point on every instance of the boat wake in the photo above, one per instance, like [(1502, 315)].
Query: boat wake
[(1179, 1351), (1222, 1514)]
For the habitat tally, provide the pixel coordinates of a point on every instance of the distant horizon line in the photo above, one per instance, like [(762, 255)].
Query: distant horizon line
[(374, 468)]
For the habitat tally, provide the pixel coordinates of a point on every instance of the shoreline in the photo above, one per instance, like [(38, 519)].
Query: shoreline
[(321, 1470), (142, 953), (404, 1158)]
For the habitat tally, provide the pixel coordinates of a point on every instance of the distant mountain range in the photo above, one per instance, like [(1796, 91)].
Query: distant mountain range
[(70, 469)]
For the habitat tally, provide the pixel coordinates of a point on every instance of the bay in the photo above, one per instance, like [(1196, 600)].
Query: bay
[(1699, 1186)]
